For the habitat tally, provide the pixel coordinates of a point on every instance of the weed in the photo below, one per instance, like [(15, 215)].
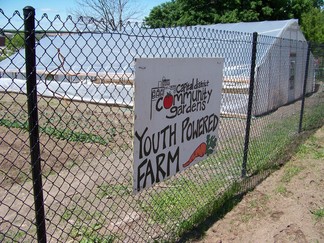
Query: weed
[(14, 124), (90, 234), (70, 164), (246, 217), (63, 134), (14, 236), (48, 173), (310, 148), (178, 203), (107, 190), (80, 214), (281, 189), (290, 172), (314, 117), (271, 146), (319, 213)]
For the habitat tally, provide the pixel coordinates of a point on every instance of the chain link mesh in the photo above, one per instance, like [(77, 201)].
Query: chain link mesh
[(85, 88)]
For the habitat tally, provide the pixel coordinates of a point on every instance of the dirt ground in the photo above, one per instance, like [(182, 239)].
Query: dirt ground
[(286, 207)]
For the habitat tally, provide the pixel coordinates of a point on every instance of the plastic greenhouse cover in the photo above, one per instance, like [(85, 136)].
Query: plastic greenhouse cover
[(112, 94), (115, 52)]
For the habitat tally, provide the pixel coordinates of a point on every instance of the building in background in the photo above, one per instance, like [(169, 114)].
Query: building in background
[(101, 58)]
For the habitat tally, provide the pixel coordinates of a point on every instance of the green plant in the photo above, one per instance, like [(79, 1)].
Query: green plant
[(16, 42), (215, 207), (89, 234), (70, 164), (63, 134), (318, 213), (313, 117), (272, 144), (289, 172), (281, 189), (107, 190), (171, 206), (14, 236)]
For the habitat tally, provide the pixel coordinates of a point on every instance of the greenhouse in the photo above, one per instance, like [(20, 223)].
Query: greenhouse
[(102, 64)]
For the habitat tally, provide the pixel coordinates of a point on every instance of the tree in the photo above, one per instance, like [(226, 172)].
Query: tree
[(165, 15), (105, 15), (193, 12), (16, 42), (313, 25)]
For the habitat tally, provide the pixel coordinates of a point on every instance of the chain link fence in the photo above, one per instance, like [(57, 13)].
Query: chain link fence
[(66, 122)]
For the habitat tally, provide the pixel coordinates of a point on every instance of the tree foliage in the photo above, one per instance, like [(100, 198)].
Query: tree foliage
[(193, 12), (16, 42), (313, 25), (105, 15)]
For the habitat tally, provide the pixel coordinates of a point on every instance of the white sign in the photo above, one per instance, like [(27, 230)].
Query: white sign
[(177, 107)]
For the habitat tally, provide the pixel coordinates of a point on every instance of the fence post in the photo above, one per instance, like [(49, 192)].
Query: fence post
[(250, 104), (304, 89), (30, 55)]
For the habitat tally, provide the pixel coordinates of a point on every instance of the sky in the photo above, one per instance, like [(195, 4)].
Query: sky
[(57, 7)]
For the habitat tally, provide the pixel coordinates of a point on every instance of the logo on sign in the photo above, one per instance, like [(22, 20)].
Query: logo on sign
[(179, 99)]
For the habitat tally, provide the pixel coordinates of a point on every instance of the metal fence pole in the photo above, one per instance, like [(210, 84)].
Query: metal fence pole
[(304, 89), (29, 22), (250, 104)]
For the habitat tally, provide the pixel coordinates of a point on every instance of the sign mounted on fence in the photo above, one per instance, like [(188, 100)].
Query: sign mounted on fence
[(176, 108)]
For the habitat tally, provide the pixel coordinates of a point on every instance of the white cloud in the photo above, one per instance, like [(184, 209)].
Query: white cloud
[(49, 10)]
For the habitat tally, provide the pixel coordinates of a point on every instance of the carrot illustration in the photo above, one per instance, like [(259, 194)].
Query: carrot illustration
[(200, 151)]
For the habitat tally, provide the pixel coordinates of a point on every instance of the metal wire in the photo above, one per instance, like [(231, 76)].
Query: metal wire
[(85, 120)]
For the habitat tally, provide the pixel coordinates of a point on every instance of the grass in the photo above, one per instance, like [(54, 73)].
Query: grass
[(169, 206), (107, 190), (310, 148), (281, 189), (314, 117), (289, 172), (14, 236), (272, 145), (214, 209), (89, 234), (318, 213), (62, 134), (83, 231), (80, 214), (187, 203), (179, 207)]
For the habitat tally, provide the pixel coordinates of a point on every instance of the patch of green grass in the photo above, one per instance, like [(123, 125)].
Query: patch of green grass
[(271, 145), (319, 213), (14, 124), (289, 172), (281, 189), (108, 190), (14, 236), (67, 214), (313, 117), (82, 229), (80, 214), (70, 164), (89, 234), (311, 148), (73, 136), (169, 204), (179, 204), (62, 134), (215, 207), (246, 217), (259, 202)]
